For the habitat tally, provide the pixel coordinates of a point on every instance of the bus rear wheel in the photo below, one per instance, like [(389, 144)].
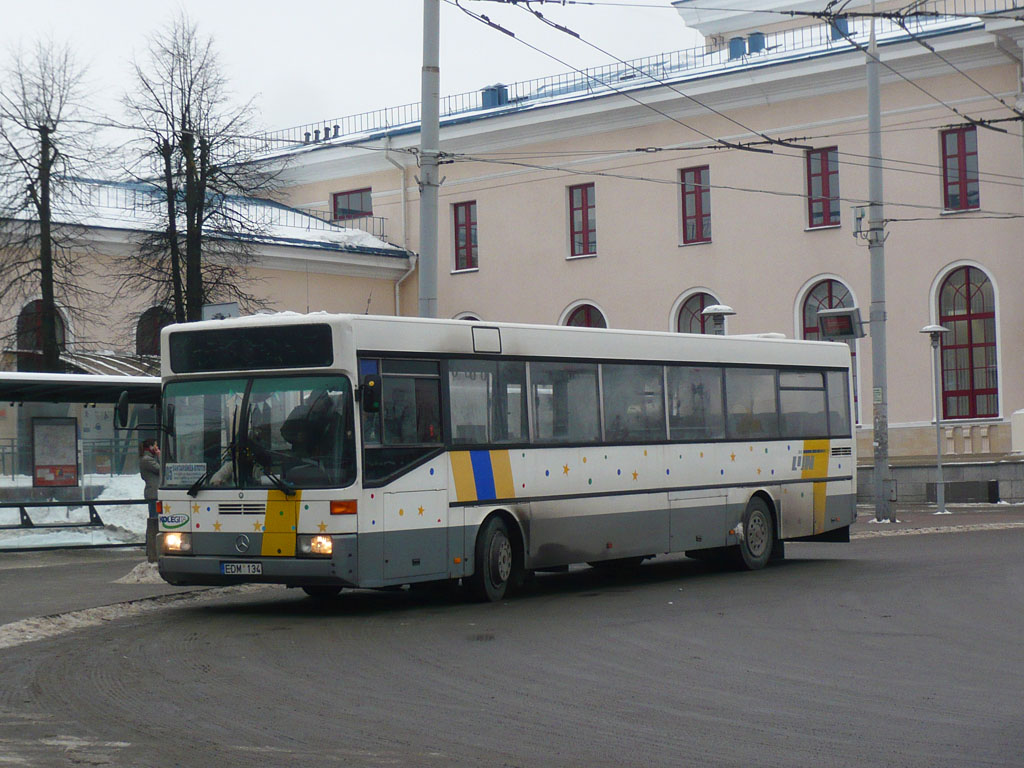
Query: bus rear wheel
[(495, 561), (758, 536)]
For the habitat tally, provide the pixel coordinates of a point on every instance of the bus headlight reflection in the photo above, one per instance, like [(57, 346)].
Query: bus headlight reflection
[(316, 545)]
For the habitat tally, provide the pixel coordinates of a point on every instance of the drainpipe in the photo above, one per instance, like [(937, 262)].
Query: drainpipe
[(405, 228), (401, 170), (1017, 57), (398, 283)]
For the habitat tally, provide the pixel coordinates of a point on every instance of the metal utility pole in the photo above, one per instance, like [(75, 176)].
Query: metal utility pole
[(936, 332), (876, 250), (430, 97)]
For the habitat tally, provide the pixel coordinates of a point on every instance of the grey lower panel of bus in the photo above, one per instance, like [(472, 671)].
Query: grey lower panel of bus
[(387, 558)]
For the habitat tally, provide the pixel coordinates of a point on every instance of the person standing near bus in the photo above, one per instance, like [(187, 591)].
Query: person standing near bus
[(149, 468)]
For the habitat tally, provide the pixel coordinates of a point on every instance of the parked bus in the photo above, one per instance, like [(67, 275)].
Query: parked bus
[(330, 451)]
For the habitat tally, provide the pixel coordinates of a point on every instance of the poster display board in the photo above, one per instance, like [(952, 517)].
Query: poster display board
[(54, 452)]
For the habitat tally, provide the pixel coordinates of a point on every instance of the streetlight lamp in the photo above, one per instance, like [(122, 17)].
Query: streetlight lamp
[(717, 314), (935, 332)]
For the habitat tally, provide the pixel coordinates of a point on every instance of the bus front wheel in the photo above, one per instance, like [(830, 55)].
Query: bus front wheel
[(755, 549), (495, 561)]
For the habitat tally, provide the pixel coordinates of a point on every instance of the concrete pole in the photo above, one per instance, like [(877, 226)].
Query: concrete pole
[(876, 250), (430, 84)]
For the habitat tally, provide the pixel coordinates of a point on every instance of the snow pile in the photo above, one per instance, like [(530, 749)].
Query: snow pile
[(143, 573)]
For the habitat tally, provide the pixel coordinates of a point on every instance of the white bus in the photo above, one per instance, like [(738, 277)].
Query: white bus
[(330, 451)]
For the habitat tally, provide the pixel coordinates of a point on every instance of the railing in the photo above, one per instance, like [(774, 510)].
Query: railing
[(94, 521), (104, 456), (671, 66)]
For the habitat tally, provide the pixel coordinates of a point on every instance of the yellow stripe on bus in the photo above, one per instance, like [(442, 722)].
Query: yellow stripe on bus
[(462, 471), (280, 524), (818, 467), (501, 465)]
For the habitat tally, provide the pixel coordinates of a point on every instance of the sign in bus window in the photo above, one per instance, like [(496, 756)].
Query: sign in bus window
[(750, 395), (634, 402), (565, 401), (695, 403)]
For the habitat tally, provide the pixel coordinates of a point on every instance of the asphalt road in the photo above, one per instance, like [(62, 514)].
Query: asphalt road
[(889, 651)]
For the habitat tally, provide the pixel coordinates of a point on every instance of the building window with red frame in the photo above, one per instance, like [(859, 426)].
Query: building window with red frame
[(970, 382), (464, 216), (823, 187), (690, 319), (586, 316), (355, 204), (582, 220), (960, 169), (830, 294), (696, 204), (147, 331)]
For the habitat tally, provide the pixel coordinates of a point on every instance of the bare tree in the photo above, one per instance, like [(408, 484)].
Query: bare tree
[(202, 176), (42, 147)]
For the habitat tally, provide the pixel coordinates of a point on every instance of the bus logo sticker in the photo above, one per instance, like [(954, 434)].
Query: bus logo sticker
[(176, 520)]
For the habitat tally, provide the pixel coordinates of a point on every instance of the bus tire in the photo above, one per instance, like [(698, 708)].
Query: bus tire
[(755, 548), (322, 592), (495, 561)]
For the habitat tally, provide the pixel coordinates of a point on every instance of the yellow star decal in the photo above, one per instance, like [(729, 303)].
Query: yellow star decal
[(166, 508), (421, 511), (565, 469), (759, 470), (635, 474), (216, 526), (732, 456), (195, 508), (322, 526), (256, 526)]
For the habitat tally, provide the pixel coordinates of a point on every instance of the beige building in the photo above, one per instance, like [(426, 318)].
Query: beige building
[(636, 194)]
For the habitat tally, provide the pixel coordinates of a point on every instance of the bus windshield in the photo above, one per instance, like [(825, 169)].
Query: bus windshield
[(287, 432)]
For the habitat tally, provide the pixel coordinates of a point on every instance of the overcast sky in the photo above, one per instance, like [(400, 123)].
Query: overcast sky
[(310, 60)]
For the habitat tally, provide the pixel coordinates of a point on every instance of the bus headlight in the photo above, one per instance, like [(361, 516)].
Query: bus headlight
[(175, 543), (315, 545)]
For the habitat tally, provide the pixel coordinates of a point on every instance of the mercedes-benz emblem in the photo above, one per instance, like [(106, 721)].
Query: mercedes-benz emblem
[(242, 543)]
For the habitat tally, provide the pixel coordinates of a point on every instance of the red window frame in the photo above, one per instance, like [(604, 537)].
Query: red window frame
[(586, 316), (464, 220), (969, 370), (690, 318), (822, 187), (960, 169), (352, 213), (830, 294), (696, 204), (582, 220)]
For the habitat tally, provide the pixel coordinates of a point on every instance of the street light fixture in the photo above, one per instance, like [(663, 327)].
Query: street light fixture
[(935, 332), (717, 314)]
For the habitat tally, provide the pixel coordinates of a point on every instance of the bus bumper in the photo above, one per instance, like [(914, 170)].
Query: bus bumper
[(339, 570)]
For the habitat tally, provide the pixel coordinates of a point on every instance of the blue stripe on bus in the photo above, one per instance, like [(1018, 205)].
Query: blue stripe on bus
[(483, 474)]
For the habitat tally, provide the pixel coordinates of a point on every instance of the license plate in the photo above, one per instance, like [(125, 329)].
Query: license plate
[(242, 569)]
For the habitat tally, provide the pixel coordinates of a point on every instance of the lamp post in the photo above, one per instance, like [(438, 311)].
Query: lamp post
[(717, 314), (935, 332)]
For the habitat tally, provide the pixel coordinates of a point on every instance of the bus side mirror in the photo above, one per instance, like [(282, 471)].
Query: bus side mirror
[(121, 410), (369, 393)]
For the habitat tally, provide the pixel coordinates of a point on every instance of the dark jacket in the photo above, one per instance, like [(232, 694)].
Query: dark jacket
[(149, 468)]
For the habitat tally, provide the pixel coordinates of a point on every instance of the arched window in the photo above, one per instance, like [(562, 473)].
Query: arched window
[(586, 316), (690, 319), (969, 376), (147, 332), (829, 294), (30, 333)]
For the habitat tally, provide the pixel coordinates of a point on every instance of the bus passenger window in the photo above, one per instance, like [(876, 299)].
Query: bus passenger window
[(634, 402), (695, 409), (565, 401), (750, 395), (838, 403), (802, 404), (488, 401)]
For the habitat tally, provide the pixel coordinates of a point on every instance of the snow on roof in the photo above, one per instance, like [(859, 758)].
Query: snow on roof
[(136, 206)]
